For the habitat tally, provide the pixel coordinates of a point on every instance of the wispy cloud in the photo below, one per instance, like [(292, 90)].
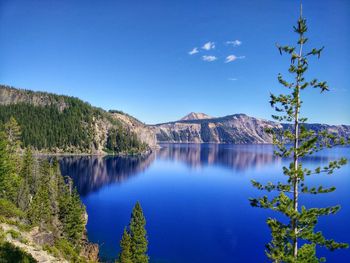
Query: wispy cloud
[(234, 43), (209, 58), (193, 51), (208, 46), (231, 58), (232, 79)]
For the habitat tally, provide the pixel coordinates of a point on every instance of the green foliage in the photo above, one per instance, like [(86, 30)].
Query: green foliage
[(36, 192), (64, 123), (27, 187), (71, 214), (55, 200), (14, 234), (9, 179), (9, 254), (53, 250), (134, 243), (299, 223), (46, 127), (125, 255), (9, 209), (67, 251), (122, 141), (40, 210), (13, 134), (64, 249)]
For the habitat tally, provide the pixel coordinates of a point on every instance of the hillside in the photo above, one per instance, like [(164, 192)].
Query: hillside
[(237, 129), (62, 124)]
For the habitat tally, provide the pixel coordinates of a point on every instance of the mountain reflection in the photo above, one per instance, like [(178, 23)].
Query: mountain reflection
[(236, 157), (91, 173)]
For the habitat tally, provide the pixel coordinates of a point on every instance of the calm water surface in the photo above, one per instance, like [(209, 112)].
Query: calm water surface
[(195, 199)]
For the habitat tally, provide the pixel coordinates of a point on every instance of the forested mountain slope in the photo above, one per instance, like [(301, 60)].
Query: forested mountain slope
[(55, 123)]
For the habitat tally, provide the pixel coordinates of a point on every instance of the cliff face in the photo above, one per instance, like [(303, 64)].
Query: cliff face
[(236, 129), (143, 131), (9, 95), (193, 128)]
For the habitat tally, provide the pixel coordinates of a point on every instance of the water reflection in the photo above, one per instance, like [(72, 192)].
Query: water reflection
[(180, 199), (236, 157), (91, 173)]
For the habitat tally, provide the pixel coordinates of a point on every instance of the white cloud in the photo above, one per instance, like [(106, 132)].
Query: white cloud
[(233, 79), (209, 45), (234, 43), (231, 58), (209, 58), (193, 51)]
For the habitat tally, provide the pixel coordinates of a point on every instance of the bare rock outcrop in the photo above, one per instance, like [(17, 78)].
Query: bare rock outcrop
[(235, 129)]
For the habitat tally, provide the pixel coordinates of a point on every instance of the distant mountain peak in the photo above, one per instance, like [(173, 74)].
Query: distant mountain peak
[(196, 116)]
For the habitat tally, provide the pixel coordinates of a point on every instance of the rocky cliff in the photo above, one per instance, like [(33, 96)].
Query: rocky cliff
[(193, 128), (237, 129), (143, 131), (10, 95)]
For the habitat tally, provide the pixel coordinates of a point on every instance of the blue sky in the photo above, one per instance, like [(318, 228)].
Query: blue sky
[(134, 55)]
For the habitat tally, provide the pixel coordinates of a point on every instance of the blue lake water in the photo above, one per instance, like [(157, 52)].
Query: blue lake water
[(195, 200)]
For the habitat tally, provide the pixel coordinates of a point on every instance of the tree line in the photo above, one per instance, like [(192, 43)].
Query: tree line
[(71, 129), (46, 127), (33, 193), (120, 140)]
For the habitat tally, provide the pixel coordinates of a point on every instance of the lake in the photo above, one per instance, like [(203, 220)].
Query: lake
[(195, 200)]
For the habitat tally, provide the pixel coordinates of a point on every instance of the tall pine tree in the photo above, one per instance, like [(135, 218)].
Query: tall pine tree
[(40, 211), (134, 243), (295, 239), (9, 179), (13, 134), (25, 192), (125, 255), (138, 233)]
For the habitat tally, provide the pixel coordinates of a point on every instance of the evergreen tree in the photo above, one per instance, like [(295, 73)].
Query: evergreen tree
[(138, 233), (295, 238), (125, 255), (40, 210), (121, 141), (73, 221), (13, 133), (71, 211), (27, 174), (9, 179), (45, 199), (48, 127)]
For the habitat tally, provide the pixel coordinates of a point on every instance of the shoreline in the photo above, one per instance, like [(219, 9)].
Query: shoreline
[(44, 154)]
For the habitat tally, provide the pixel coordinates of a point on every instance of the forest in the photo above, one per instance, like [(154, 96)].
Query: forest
[(34, 194), (51, 123), (35, 197)]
